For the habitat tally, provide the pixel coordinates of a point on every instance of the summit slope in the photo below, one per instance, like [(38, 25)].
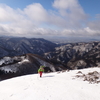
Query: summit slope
[(52, 86)]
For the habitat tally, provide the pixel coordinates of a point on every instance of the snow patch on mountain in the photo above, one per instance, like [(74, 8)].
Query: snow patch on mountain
[(8, 69), (6, 60), (25, 60)]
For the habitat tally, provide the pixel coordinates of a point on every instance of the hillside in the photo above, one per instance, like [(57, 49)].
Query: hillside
[(24, 64), (19, 46), (76, 55), (52, 86)]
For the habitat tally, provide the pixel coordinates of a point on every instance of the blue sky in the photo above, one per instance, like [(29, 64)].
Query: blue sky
[(50, 18), (23, 3), (91, 7)]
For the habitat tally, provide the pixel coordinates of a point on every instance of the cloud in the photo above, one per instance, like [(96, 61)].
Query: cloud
[(81, 32), (36, 12), (39, 15), (8, 14), (71, 11), (95, 25), (66, 18)]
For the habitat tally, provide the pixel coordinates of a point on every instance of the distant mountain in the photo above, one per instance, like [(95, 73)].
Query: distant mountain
[(21, 56), (76, 55), (18, 46), (89, 57)]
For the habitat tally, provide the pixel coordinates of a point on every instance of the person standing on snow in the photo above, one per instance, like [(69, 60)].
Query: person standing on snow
[(41, 70)]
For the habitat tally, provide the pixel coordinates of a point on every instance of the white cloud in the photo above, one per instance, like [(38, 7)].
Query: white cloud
[(65, 4), (39, 15), (8, 14), (36, 12), (68, 18), (72, 11), (81, 32)]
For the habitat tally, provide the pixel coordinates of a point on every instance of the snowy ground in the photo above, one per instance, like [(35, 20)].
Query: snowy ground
[(52, 86)]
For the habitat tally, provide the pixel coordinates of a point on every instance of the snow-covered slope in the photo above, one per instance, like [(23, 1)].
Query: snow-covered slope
[(52, 86), (76, 55)]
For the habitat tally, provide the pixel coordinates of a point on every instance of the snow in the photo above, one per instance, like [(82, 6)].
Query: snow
[(6, 60), (52, 86), (25, 60), (9, 68)]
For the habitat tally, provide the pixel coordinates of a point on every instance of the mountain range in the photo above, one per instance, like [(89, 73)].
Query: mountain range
[(21, 56), (76, 55)]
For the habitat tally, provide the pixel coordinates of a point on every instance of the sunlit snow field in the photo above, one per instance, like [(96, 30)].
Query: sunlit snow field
[(52, 86)]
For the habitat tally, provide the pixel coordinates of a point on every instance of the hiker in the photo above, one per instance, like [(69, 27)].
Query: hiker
[(41, 70)]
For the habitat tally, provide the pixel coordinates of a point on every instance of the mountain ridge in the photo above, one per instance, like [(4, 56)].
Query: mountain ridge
[(19, 46), (21, 53), (25, 64)]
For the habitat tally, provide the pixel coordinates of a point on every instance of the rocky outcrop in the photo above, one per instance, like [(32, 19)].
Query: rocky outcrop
[(91, 77)]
